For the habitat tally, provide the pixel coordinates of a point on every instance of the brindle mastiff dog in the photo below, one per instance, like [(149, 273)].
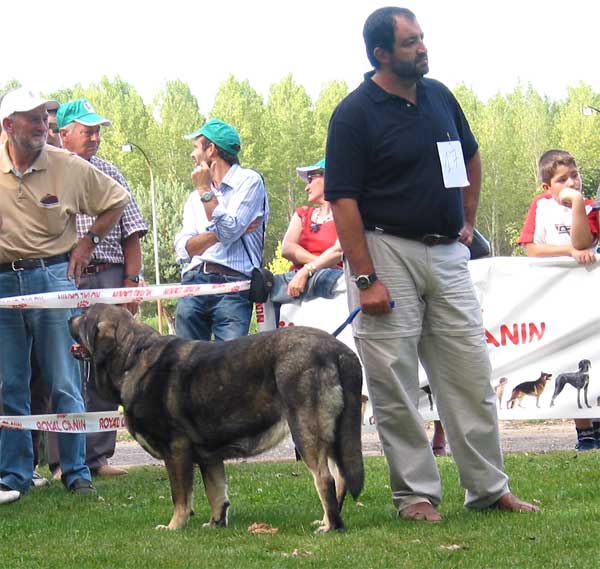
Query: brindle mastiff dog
[(204, 402)]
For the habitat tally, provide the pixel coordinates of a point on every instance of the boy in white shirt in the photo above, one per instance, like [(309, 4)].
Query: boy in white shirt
[(562, 222)]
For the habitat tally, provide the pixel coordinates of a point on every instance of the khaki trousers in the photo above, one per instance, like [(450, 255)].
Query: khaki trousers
[(436, 320)]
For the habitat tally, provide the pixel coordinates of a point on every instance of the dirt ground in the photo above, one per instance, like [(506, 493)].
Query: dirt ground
[(516, 436)]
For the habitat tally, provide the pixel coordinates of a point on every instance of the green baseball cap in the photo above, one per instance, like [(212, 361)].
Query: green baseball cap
[(81, 111), (220, 134), (304, 171)]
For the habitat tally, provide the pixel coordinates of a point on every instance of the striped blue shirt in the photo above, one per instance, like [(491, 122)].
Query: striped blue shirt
[(241, 198)]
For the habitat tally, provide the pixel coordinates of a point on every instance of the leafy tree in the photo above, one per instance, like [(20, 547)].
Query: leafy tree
[(580, 134), (332, 93), (288, 140), (178, 115)]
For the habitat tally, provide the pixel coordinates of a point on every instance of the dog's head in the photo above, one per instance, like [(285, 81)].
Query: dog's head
[(545, 376), (102, 333), (96, 330), (585, 365)]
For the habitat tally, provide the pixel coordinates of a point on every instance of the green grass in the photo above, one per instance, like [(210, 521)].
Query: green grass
[(49, 528)]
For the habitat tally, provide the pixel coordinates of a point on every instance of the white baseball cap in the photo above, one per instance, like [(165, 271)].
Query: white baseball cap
[(21, 100)]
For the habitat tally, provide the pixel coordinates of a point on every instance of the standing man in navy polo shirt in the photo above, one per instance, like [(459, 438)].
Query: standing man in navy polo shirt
[(403, 178)]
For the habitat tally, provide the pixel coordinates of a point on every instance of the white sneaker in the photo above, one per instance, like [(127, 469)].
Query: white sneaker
[(7, 495), (38, 480)]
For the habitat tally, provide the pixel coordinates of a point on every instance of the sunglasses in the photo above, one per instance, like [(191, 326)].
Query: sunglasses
[(315, 227), (312, 177)]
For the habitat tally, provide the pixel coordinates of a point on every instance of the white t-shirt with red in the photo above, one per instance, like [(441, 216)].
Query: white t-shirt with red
[(549, 223)]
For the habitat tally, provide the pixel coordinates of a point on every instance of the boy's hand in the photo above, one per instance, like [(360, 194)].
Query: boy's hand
[(568, 197), (584, 256)]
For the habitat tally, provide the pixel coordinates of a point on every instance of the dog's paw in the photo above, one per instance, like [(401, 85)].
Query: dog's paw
[(163, 527)]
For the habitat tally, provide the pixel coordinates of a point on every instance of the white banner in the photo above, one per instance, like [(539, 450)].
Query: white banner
[(539, 316)]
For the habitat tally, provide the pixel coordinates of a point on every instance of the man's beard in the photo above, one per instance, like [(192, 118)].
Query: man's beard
[(30, 143), (410, 71)]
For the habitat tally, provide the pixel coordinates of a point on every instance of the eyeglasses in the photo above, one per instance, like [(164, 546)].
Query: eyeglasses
[(312, 177), (315, 227)]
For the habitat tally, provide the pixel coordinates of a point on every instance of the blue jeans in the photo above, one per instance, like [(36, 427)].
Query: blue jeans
[(224, 316), (48, 330)]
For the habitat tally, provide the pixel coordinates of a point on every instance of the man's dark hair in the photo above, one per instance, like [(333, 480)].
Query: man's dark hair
[(379, 30), (551, 160), (231, 159)]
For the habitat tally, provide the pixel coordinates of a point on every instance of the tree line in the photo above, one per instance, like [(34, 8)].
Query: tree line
[(289, 129)]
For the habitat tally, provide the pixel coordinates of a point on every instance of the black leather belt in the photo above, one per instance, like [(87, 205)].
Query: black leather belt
[(429, 239), (216, 269), (98, 268), (27, 264)]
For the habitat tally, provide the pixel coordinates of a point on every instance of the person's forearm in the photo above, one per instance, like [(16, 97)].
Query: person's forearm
[(296, 254), (200, 243), (106, 221), (581, 234), (132, 252), (471, 193), (329, 258), (544, 250), (351, 234)]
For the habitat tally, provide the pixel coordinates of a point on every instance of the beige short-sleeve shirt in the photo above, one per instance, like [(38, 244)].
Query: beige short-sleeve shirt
[(38, 208)]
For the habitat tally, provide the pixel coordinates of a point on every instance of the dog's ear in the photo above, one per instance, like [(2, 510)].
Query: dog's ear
[(104, 341)]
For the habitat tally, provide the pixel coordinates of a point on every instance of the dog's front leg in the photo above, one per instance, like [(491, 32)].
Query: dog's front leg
[(585, 391), (180, 468), (215, 487)]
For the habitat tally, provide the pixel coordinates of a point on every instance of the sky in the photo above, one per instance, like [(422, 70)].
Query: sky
[(490, 46)]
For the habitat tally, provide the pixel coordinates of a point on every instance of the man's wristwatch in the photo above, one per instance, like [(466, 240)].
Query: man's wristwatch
[(207, 196), (363, 282), (133, 278), (94, 238)]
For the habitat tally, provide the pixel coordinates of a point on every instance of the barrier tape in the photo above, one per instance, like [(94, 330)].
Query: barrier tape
[(95, 422), (85, 298)]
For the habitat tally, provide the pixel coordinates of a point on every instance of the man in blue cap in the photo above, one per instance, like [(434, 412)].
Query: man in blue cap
[(116, 261), (222, 238)]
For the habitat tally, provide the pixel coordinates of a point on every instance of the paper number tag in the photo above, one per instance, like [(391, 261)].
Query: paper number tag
[(453, 164)]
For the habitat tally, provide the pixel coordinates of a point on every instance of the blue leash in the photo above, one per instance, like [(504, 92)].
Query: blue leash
[(352, 317)]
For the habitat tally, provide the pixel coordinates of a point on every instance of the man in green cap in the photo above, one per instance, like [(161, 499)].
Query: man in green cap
[(116, 261), (222, 238)]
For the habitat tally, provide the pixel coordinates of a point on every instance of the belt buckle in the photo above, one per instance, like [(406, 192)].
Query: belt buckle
[(12, 264), (203, 268)]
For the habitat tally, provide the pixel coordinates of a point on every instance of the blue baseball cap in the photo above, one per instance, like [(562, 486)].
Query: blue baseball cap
[(220, 134)]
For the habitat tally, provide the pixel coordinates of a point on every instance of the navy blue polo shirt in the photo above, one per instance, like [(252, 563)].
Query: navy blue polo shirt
[(382, 151)]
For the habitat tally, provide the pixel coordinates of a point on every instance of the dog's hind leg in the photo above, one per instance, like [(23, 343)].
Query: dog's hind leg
[(180, 468), (558, 387), (326, 488), (215, 486)]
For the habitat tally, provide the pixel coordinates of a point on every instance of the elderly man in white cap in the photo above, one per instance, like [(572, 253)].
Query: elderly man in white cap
[(41, 190)]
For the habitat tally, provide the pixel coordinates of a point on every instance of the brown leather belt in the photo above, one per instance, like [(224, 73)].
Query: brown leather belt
[(96, 268), (216, 269), (27, 264)]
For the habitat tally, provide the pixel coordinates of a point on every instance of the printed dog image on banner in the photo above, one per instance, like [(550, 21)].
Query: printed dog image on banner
[(532, 321), (533, 388), (195, 402), (579, 379)]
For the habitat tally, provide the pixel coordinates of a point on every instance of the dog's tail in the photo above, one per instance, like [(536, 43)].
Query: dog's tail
[(347, 445)]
